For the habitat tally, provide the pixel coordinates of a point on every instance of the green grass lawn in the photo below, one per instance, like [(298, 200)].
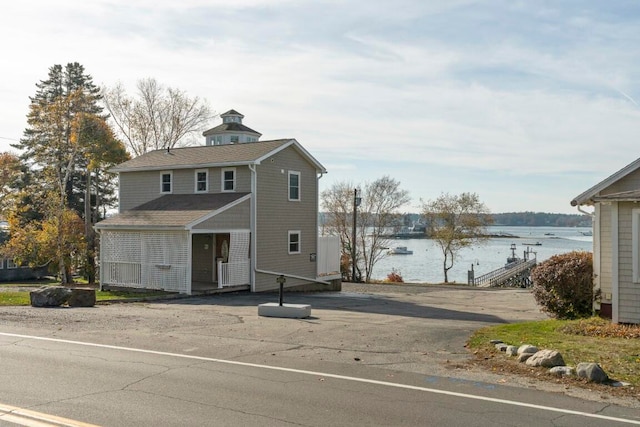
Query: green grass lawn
[(615, 347), (20, 296)]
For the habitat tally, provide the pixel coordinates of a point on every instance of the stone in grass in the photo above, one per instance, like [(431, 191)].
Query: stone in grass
[(49, 296), (562, 371), (527, 349), (512, 350), (501, 347), (82, 297), (522, 357), (592, 372), (496, 342), (546, 359)]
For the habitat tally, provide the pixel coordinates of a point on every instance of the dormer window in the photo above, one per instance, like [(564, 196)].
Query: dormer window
[(166, 179)]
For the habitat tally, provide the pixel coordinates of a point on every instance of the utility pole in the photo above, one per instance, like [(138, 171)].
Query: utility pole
[(356, 203)]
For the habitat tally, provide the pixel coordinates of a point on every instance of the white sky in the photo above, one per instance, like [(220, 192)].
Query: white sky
[(527, 103)]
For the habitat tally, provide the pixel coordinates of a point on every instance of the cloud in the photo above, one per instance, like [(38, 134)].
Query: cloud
[(502, 93)]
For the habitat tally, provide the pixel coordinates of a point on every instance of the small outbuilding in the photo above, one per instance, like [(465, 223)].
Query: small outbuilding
[(616, 243)]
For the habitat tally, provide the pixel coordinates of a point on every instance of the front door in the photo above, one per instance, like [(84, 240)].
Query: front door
[(202, 265)]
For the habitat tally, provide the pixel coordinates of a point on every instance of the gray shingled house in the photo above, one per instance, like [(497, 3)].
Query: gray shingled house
[(616, 242), (236, 212)]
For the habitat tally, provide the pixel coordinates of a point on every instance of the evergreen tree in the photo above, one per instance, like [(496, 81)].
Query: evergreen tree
[(66, 142)]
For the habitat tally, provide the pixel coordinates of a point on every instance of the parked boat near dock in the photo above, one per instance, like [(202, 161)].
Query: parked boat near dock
[(400, 250), (425, 265)]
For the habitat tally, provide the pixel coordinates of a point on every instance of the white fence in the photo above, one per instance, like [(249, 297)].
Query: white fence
[(234, 273), (328, 256)]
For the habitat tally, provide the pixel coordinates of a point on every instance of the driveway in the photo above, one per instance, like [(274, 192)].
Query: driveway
[(395, 328)]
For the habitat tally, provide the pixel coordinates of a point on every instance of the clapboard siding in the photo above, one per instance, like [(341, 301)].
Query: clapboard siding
[(273, 206), (235, 218), (629, 292), (605, 253), (628, 183), (137, 188)]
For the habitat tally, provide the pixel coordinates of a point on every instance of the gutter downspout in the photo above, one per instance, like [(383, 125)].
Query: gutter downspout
[(253, 226)]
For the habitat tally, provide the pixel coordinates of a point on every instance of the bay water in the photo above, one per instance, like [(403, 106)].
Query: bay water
[(425, 264)]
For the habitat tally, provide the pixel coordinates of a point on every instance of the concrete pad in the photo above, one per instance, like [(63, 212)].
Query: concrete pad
[(292, 311)]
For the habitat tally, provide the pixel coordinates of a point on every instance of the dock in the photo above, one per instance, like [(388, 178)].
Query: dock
[(516, 273)]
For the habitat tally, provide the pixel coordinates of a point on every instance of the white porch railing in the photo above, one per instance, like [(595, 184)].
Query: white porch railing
[(234, 273), (122, 273)]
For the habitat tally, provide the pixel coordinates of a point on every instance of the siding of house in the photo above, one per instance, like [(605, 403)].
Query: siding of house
[(606, 254), (628, 183), (236, 218), (629, 292), (272, 232), (137, 188)]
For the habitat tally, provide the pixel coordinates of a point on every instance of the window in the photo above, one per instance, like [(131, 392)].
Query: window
[(294, 185), (202, 183), (165, 182), (11, 264), (294, 242), (1, 263), (235, 139), (217, 140), (229, 179)]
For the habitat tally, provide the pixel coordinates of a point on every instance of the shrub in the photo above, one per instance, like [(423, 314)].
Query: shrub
[(394, 276), (563, 285)]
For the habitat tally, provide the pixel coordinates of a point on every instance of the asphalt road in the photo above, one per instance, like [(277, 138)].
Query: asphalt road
[(368, 356)]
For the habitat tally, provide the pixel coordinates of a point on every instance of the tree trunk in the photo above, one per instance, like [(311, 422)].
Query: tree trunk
[(90, 266)]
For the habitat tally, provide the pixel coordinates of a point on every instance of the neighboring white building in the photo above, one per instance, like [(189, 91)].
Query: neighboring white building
[(616, 243)]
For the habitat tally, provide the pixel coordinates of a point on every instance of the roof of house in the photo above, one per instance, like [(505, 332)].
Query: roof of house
[(172, 210), (623, 196), (230, 127), (213, 156), (589, 196), (231, 112)]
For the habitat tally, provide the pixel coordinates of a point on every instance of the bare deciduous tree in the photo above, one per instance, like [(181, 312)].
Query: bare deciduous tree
[(377, 216), (158, 117), (455, 222)]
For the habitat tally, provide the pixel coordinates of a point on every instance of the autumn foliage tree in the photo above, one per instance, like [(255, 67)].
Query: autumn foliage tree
[(455, 222), (66, 142)]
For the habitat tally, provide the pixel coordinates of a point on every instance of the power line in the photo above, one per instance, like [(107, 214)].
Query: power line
[(9, 139)]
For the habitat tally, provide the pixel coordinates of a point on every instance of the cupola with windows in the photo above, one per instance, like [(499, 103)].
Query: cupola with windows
[(231, 131)]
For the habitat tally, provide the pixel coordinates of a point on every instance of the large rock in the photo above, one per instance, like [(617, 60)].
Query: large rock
[(562, 371), (592, 372), (82, 297), (49, 296), (546, 359), (527, 349), (512, 350)]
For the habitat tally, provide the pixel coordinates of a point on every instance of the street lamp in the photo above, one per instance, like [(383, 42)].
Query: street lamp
[(356, 202)]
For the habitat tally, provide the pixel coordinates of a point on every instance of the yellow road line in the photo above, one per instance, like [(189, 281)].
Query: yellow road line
[(28, 418)]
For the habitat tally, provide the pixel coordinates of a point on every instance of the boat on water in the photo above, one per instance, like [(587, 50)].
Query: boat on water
[(531, 244), (400, 250), (587, 233)]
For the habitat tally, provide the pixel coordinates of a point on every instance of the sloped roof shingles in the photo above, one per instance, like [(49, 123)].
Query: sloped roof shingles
[(202, 156), (171, 210)]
